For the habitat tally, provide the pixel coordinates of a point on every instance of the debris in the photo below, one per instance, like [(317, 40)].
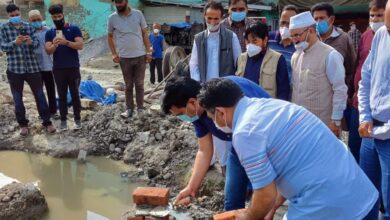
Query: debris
[(82, 157), (87, 103), (94, 216)]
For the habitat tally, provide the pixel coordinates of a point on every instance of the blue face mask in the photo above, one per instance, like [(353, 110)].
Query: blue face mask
[(37, 24), (238, 16), (15, 20), (185, 117), (322, 26)]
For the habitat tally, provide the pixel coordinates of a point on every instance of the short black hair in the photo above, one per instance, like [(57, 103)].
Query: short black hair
[(219, 92), (56, 9), (377, 4), (235, 1), (259, 30), (214, 5), (11, 8), (178, 91), (291, 8), (322, 6)]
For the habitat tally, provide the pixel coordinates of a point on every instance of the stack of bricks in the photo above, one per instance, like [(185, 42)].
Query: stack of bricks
[(231, 215), (153, 197)]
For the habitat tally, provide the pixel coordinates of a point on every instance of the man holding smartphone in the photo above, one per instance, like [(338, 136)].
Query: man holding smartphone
[(64, 41), (19, 43)]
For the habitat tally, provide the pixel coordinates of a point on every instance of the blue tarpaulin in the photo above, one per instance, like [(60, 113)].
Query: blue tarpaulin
[(180, 25), (91, 89)]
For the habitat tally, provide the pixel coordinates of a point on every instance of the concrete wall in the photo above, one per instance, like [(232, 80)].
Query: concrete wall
[(171, 14)]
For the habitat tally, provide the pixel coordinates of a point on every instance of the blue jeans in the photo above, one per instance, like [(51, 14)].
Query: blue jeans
[(236, 183), (375, 161), (354, 139), (370, 164)]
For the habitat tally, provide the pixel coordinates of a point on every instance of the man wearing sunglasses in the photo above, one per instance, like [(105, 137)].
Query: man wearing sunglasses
[(318, 73), (127, 32)]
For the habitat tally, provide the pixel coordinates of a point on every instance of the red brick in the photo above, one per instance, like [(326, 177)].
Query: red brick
[(151, 196), (231, 215), (136, 218), (156, 218)]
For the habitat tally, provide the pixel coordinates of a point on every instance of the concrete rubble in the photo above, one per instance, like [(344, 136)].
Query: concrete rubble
[(19, 201)]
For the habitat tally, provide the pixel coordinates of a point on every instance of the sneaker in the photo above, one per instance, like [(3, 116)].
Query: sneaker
[(127, 114), (23, 131), (63, 126), (77, 125), (55, 116), (140, 112), (51, 129)]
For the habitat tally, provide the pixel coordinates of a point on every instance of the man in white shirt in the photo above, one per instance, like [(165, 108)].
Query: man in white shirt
[(215, 50)]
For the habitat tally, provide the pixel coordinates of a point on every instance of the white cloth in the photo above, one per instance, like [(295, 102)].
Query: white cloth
[(212, 55), (302, 20), (221, 150), (336, 74)]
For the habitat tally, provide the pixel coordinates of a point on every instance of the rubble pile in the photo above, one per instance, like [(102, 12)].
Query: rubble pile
[(21, 201), (161, 147)]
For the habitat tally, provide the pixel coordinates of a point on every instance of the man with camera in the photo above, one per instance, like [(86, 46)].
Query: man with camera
[(19, 43)]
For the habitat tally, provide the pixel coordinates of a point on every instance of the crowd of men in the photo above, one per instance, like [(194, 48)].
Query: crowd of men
[(270, 106), (332, 81)]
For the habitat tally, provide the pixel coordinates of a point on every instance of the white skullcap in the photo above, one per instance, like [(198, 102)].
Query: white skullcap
[(302, 20), (33, 12)]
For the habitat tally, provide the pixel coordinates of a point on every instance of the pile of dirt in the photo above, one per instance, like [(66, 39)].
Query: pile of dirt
[(21, 201), (162, 147)]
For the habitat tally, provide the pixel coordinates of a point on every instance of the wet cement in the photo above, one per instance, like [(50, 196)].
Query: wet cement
[(72, 188)]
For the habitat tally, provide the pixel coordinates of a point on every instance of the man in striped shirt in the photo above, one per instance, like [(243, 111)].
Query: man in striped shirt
[(288, 153)]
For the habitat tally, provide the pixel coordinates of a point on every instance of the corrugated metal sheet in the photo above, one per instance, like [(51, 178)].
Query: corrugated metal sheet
[(340, 6)]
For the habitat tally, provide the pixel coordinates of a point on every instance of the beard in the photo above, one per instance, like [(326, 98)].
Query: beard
[(121, 8)]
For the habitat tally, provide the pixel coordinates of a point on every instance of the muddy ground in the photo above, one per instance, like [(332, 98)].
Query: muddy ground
[(161, 147)]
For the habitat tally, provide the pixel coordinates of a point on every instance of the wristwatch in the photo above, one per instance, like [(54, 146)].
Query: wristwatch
[(337, 123)]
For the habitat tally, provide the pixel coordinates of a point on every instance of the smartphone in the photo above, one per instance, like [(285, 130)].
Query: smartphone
[(23, 32), (59, 34)]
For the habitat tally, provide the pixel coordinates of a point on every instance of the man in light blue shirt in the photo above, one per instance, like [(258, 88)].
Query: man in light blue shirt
[(288, 153), (215, 50), (374, 103), (45, 61)]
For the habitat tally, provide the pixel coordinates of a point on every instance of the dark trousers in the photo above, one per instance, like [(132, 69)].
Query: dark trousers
[(48, 81), (34, 80), (68, 79), (153, 64), (133, 70)]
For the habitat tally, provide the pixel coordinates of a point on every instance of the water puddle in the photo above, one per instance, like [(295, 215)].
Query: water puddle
[(70, 188)]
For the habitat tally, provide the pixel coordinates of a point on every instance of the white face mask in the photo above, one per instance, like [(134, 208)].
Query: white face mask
[(252, 50), (300, 47), (284, 32), (225, 128), (376, 25), (212, 27), (156, 31)]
